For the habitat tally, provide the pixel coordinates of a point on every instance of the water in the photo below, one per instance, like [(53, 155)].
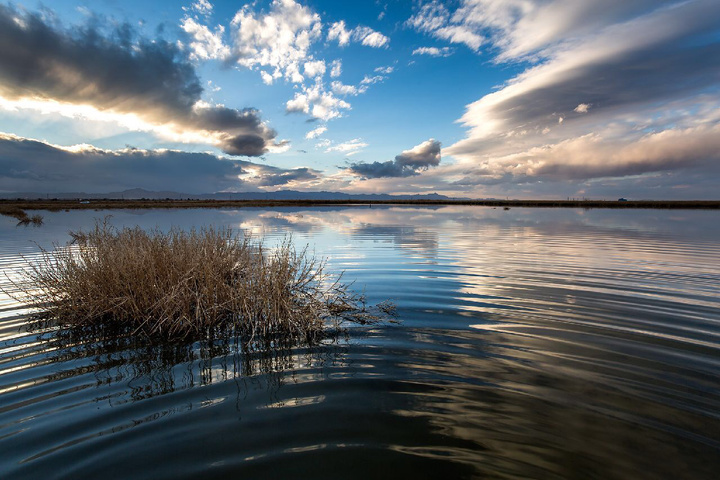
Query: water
[(536, 343)]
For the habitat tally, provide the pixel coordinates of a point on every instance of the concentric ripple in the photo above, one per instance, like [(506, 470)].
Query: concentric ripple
[(532, 343)]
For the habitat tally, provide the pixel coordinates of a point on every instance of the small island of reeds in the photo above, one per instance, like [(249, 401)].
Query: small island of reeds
[(22, 217), (180, 284)]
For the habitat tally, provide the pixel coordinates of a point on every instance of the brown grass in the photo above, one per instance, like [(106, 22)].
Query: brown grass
[(183, 283), (20, 214)]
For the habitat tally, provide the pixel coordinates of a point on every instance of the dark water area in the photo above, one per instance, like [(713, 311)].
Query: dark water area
[(531, 343)]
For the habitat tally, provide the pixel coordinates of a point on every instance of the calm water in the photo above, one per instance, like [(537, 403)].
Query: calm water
[(539, 343)]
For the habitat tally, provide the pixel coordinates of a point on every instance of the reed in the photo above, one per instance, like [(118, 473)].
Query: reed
[(20, 215), (178, 284)]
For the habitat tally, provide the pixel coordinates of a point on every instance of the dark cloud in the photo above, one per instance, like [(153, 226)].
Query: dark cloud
[(31, 165), (118, 72), (275, 176), (408, 163), (381, 169), (425, 155)]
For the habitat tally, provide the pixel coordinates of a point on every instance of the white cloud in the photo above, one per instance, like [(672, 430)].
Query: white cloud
[(365, 35), (279, 39), (385, 70), (203, 7), (370, 38), (350, 147), (435, 19), (338, 32), (317, 102), (266, 78), (205, 44), (342, 89), (582, 108), (316, 132), (368, 80), (212, 87), (298, 104), (336, 68), (315, 69), (433, 51)]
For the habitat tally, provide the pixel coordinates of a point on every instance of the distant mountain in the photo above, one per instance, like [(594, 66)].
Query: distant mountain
[(139, 193)]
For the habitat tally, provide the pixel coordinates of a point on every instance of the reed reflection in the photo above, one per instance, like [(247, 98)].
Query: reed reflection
[(114, 356)]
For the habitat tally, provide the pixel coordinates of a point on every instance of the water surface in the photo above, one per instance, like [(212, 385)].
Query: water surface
[(537, 343)]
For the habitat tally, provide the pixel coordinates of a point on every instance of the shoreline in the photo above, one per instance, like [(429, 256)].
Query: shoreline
[(111, 204)]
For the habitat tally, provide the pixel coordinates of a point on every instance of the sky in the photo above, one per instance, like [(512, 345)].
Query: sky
[(466, 98)]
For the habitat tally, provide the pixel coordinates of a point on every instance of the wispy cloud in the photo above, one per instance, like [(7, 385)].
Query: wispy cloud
[(315, 133), (351, 147), (339, 32), (605, 84), (433, 51)]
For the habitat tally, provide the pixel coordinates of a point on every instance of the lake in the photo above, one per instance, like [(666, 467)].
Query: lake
[(536, 343)]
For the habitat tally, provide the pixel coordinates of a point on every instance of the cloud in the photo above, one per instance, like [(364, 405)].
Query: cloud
[(278, 43), (279, 39), (205, 44), (408, 163), (203, 7), (274, 177), (599, 90), (368, 80), (316, 102), (350, 147), (32, 165), (342, 89), (119, 74), (370, 38), (316, 132), (425, 155), (336, 68), (434, 18), (582, 108), (593, 156), (364, 35), (315, 69), (338, 32), (433, 51)]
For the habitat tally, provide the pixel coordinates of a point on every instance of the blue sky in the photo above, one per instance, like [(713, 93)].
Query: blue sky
[(478, 98)]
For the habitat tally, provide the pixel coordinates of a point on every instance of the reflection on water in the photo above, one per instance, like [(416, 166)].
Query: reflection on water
[(534, 343)]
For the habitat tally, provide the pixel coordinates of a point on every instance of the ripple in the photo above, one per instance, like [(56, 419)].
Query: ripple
[(532, 343)]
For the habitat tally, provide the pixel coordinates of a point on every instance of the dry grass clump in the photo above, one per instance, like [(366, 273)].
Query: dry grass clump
[(182, 283), (20, 214)]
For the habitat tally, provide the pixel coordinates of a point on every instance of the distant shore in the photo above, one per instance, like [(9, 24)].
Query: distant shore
[(106, 204)]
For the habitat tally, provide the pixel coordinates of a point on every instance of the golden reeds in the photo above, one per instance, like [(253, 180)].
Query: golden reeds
[(177, 284)]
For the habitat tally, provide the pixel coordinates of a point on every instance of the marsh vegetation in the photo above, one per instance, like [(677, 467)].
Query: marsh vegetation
[(20, 214), (179, 284)]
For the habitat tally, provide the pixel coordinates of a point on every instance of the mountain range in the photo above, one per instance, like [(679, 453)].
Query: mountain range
[(139, 193)]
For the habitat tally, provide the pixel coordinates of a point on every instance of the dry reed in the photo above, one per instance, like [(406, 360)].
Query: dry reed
[(20, 215), (178, 284)]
